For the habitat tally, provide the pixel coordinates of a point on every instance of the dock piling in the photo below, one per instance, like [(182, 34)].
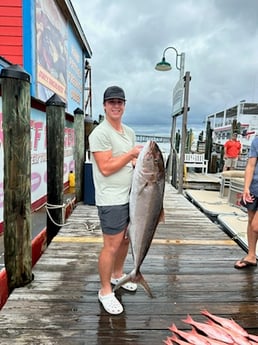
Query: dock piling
[(55, 113), (15, 83)]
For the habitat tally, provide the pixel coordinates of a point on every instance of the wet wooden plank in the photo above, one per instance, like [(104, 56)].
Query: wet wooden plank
[(189, 267)]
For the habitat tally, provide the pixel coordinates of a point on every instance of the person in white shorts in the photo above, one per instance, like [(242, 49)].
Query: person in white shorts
[(232, 149)]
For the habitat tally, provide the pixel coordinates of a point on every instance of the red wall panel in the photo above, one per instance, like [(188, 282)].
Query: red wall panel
[(9, 21), (12, 50), (5, 11), (14, 3), (11, 39), (11, 31)]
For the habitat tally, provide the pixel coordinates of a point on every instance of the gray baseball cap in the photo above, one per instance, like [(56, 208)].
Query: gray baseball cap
[(114, 92)]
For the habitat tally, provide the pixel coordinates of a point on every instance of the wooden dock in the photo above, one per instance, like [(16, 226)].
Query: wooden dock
[(195, 180), (189, 267), (232, 218)]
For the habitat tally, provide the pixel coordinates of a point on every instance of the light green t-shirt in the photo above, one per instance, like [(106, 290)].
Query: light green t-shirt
[(113, 189)]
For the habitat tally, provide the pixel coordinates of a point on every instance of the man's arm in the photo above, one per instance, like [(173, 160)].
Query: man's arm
[(225, 150), (108, 164), (249, 172)]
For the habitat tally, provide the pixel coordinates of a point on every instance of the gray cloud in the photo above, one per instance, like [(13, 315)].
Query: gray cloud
[(219, 38)]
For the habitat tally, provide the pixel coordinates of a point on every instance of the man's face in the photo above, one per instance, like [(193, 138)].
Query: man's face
[(114, 108)]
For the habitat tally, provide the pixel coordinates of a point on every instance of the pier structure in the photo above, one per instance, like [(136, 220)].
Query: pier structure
[(141, 138)]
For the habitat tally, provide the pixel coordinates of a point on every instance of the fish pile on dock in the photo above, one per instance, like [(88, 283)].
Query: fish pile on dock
[(215, 331)]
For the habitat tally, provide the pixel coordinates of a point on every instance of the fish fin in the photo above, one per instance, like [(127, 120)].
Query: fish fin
[(162, 216), (143, 187)]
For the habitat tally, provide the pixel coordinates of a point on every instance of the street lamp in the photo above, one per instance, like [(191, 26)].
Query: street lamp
[(180, 106), (163, 65)]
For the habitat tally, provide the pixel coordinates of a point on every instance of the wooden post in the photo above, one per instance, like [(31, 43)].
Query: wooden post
[(55, 111), (79, 152), (187, 79), (208, 143), (17, 176), (88, 129), (171, 173)]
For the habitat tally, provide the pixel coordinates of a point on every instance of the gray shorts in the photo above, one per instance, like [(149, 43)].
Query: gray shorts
[(113, 219), (251, 206)]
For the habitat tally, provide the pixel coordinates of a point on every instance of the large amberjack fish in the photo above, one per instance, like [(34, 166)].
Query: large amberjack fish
[(146, 208)]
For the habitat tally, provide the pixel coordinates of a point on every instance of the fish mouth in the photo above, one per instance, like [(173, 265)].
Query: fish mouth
[(152, 144), (152, 150)]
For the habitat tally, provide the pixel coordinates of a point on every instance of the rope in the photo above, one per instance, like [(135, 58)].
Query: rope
[(54, 207)]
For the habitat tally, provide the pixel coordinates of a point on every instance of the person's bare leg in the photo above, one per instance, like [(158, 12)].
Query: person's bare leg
[(118, 268), (252, 237), (107, 260), (226, 168)]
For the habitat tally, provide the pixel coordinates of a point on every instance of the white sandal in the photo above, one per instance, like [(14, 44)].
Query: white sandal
[(111, 304), (129, 286)]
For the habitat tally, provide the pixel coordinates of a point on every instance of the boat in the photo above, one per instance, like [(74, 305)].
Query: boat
[(241, 118)]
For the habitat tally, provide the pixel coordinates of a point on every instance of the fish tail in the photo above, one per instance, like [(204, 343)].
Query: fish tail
[(167, 341), (123, 281), (173, 328), (188, 319), (174, 339), (193, 331), (139, 279), (206, 313), (136, 278), (211, 323)]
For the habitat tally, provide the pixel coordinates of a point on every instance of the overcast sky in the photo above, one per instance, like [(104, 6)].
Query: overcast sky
[(128, 37)]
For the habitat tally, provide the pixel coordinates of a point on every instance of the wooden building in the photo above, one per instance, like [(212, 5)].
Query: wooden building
[(45, 38)]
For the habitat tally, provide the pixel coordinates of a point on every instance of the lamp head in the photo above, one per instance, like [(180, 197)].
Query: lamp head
[(163, 65)]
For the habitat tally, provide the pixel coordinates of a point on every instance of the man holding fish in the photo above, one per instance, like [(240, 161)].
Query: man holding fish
[(114, 152)]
